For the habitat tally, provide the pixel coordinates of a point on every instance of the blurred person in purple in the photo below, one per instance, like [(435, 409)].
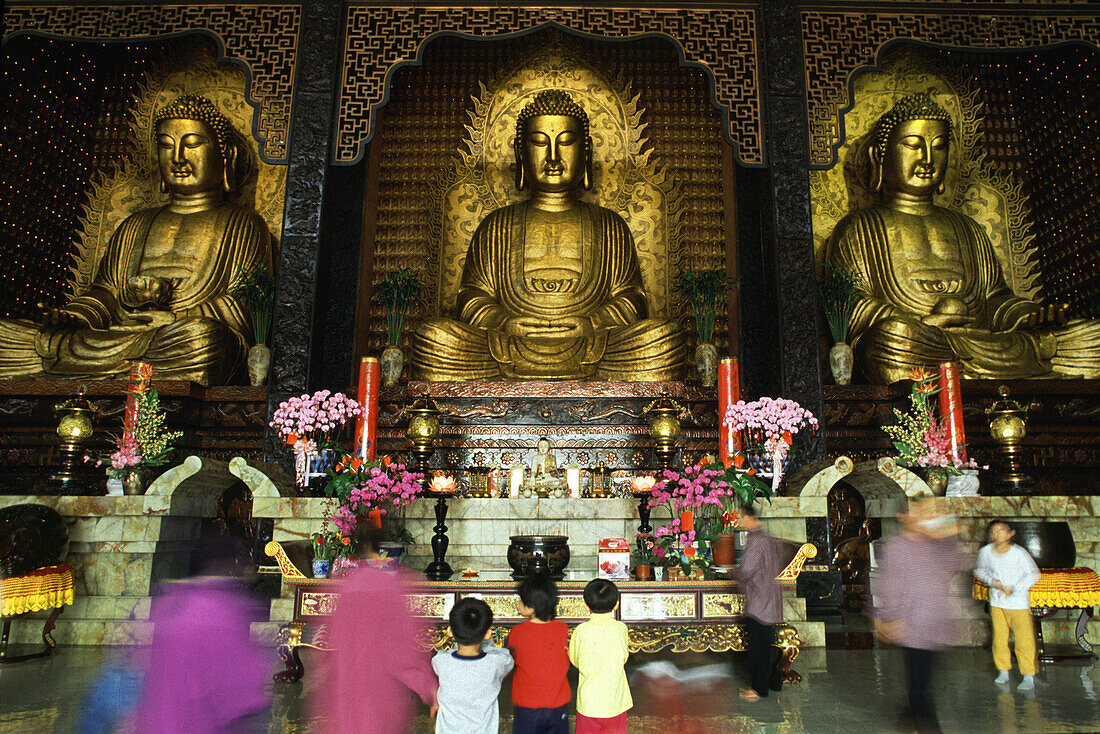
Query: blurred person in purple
[(761, 562), (913, 596), (375, 667), (205, 675)]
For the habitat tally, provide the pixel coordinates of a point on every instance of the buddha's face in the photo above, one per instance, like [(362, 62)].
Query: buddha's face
[(553, 153), (188, 155), (916, 157)]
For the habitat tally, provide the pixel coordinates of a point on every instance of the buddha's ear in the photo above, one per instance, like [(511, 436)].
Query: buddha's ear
[(876, 168), (521, 179), (586, 183), (229, 170), (941, 188), (163, 185)]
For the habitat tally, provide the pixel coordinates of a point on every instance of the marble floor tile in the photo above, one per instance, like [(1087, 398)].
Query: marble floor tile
[(841, 691)]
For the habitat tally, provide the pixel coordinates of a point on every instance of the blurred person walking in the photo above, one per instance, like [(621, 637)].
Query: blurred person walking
[(761, 562), (916, 569), (205, 675), (1009, 571), (375, 666)]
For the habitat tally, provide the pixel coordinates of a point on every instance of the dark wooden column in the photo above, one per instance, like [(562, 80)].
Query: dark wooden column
[(310, 141), (793, 255)]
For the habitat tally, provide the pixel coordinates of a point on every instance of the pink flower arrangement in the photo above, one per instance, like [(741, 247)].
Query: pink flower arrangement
[(127, 455), (382, 487), (774, 417), (307, 415)]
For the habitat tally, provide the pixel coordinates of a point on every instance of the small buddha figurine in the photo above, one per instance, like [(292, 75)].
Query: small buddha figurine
[(544, 479), (163, 291), (934, 291), (551, 288)]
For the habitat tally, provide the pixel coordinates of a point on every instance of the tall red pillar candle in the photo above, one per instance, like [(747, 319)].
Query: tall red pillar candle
[(366, 426), (141, 373), (729, 392), (951, 412)]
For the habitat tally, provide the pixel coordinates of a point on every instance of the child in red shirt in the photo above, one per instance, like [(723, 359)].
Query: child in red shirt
[(540, 646)]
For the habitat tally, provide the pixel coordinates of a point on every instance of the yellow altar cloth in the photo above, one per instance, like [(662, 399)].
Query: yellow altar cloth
[(1057, 587), (46, 588)]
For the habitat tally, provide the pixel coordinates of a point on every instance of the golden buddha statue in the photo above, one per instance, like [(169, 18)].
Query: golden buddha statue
[(551, 288), (163, 290), (933, 288)]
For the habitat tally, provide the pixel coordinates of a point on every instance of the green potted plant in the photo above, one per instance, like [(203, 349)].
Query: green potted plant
[(745, 488), (838, 290), (644, 556), (326, 548), (705, 292), (397, 290), (255, 288)]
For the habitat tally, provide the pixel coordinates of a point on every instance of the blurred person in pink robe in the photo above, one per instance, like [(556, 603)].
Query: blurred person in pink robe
[(375, 666), (204, 673)]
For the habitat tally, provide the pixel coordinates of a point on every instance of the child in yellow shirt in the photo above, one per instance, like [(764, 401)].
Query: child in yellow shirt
[(598, 648)]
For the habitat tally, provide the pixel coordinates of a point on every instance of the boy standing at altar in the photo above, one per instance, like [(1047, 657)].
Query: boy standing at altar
[(540, 689), (599, 649), (1009, 571), (470, 673)]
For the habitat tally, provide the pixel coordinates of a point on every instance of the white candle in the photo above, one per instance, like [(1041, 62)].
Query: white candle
[(573, 480)]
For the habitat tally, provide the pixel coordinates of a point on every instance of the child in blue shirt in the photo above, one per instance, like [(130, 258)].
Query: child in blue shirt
[(470, 673)]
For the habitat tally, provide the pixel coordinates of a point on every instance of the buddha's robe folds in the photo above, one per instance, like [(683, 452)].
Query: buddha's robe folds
[(886, 329), (207, 342), (498, 285)]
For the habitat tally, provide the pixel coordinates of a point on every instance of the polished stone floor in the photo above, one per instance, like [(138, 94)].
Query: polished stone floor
[(841, 691)]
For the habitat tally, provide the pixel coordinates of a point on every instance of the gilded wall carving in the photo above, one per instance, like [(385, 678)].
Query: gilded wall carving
[(378, 38), (836, 43), (264, 37)]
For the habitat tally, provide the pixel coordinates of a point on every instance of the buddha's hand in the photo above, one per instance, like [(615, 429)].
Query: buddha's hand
[(147, 290), (566, 327), (1050, 315), (151, 318), (53, 316), (943, 320)]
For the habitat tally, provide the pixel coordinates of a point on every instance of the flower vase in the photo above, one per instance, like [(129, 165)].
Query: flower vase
[(319, 465), (642, 572), (321, 568), (936, 479), (706, 363), (135, 482), (724, 551), (259, 362), (392, 553), (658, 573), (393, 362), (841, 359)]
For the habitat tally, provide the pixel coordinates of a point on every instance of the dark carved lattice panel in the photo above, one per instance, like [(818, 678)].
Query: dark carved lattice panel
[(722, 39), (421, 129), (264, 37), (836, 43)]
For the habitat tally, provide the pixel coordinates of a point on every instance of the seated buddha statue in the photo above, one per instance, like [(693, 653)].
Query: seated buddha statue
[(551, 288), (163, 291), (933, 290)]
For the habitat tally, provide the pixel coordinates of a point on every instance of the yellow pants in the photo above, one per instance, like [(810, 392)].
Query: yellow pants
[(1022, 626)]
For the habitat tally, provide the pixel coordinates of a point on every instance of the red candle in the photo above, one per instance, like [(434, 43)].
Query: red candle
[(687, 522), (140, 375), (729, 392), (366, 426), (951, 412)]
